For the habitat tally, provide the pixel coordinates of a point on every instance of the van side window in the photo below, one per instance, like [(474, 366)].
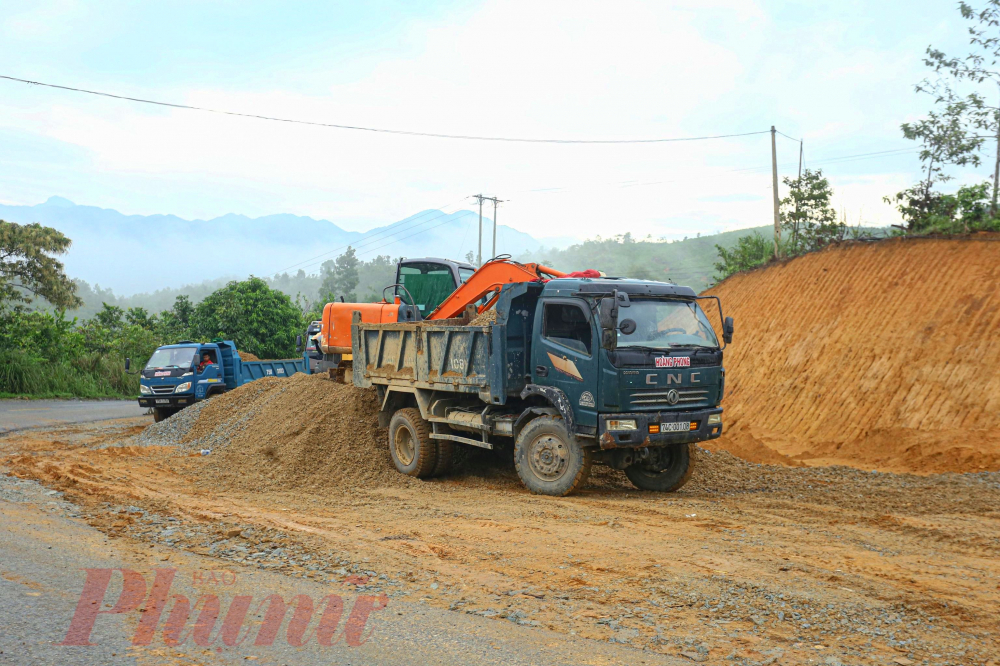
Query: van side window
[(567, 325)]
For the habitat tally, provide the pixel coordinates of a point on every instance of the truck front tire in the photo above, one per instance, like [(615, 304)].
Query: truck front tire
[(549, 460), (413, 451), (670, 470), (161, 413)]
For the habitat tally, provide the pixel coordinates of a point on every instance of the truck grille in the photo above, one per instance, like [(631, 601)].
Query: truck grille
[(657, 399), (162, 390)]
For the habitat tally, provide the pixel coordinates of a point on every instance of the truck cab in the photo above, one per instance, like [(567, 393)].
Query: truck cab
[(180, 374), (638, 363)]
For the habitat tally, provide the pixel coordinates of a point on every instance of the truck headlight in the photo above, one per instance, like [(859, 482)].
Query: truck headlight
[(145, 390), (622, 424), (186, 386), (714, 419)]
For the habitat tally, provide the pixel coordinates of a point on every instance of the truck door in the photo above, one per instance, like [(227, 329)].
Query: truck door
[(209, 374), (565, 354)]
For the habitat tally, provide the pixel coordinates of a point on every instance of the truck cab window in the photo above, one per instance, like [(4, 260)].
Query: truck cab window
[(567, 325)]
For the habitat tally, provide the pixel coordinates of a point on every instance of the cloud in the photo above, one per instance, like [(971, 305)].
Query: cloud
[(518, 68)]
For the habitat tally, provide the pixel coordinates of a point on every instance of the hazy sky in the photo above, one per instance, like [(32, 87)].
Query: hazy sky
[(840, 74)]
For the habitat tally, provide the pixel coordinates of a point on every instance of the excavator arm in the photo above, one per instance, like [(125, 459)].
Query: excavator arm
[(490, 277)]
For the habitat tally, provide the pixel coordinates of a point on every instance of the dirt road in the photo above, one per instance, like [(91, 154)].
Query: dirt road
[(748, 564), (47, 548)]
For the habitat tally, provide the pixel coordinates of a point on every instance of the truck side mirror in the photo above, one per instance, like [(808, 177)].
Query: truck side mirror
[(128, 364), (298, 344), (628, 326), (608, 311), (727, 330), (622, 299)]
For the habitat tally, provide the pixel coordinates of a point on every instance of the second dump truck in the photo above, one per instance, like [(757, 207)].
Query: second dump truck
[(574, 371)]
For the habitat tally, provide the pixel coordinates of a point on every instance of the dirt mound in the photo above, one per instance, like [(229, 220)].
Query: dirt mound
[(247, 356), (880, 356), (306, 431)]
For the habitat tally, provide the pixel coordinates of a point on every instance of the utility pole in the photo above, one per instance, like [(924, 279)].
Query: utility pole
[(479, 254), (496, 202), (795, 226), (774, 189)]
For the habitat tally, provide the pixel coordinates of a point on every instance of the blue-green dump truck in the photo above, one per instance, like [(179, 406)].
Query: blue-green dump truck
[(573, 372), (181, 374)]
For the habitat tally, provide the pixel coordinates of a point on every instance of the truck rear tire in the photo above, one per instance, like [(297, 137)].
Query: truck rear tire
[(549, 460), (671, 470), (445, 456), (413, 451)]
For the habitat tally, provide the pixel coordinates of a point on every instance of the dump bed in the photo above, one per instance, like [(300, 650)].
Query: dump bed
[(424, 355), (251, 370), (490, 360)]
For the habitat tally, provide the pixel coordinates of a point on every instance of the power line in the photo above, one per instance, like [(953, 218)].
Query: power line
[(374, 239), (399, 240), (372, 129), (362, 240), (788, 137)]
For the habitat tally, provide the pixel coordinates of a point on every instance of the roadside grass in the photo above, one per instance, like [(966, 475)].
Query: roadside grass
[(91, 375)]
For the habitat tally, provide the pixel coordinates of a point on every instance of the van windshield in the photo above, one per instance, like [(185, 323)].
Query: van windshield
[(662, 324), (177, 357)]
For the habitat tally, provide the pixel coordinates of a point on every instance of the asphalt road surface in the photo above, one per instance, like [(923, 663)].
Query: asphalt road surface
[(21, 414)]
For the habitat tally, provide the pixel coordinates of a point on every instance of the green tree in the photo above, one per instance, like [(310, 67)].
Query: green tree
[(27, 270), (981, 66), (175, 323), (748, 253), (261, 320), (806, 214), (340, 277), (945, 138)]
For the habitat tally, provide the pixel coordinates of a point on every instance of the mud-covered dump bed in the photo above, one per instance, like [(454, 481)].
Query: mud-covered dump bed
[(490, 360)]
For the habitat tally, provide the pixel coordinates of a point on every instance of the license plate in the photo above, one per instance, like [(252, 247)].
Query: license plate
[(680, 426), (163, 402)]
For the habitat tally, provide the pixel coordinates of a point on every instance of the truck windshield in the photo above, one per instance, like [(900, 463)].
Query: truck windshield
[(428, 283), (178, 357), (662, 324)]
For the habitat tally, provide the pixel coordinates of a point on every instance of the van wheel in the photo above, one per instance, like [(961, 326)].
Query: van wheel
[(549, 460), (666, 472), (413, 451), (160, 413)]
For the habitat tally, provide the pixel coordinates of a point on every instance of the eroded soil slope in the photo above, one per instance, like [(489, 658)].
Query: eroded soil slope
[(877, 355)]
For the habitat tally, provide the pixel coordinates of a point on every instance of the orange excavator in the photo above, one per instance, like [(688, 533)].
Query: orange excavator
[(425, 289)]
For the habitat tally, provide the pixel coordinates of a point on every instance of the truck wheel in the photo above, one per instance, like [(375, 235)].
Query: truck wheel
[(160, 413), (445, 457), (549, 460), (413, 451), (666, 473)]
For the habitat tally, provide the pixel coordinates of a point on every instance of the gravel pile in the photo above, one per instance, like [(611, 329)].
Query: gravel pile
[(486, 318), (168, 432)]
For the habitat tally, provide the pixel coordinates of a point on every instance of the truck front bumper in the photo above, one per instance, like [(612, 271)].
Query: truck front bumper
[(168, 401), (699, 429)]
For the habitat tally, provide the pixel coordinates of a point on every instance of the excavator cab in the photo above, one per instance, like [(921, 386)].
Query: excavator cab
[(429, 281)]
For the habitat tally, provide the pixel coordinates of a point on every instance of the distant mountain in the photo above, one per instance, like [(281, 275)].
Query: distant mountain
[(136, 253)]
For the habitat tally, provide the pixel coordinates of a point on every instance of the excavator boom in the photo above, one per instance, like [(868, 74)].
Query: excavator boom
[(490, 277)]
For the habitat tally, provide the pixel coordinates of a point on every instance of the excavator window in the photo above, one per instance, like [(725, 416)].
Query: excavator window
[(428, 283)]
